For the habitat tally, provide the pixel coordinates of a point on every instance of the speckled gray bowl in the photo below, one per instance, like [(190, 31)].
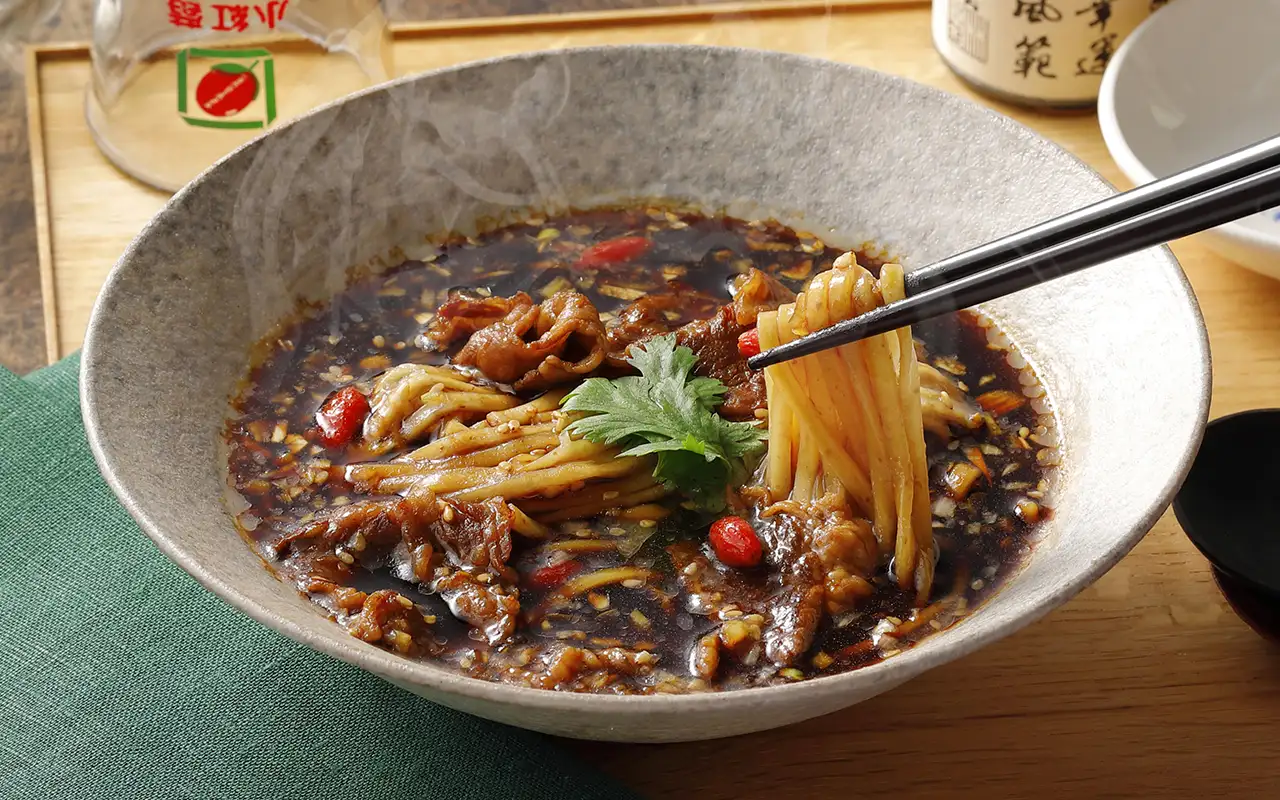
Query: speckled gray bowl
[(848, 153)]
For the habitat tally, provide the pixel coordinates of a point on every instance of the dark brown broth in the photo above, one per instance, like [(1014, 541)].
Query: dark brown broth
[(373, 324)]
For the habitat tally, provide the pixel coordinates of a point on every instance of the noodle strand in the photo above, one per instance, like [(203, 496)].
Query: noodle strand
[(853, 416)]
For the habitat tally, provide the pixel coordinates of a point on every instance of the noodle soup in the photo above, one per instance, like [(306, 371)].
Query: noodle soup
[(538, 456)]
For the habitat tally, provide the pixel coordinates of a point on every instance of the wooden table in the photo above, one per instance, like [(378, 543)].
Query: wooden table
[(1146, 683), (22, 329)]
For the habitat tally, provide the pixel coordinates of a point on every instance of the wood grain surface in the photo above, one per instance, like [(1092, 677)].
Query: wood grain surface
[(22, 328), (1144, 685)]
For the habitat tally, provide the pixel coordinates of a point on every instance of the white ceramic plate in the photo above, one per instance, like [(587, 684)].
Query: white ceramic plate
[(1197, 80)]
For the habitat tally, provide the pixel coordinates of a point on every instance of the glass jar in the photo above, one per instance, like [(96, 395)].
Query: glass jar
[(177, 84), (1046, 53)]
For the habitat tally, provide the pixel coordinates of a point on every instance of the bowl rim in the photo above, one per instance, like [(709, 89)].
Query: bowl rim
[(1113, 135), (1196, 533), (882, 676)]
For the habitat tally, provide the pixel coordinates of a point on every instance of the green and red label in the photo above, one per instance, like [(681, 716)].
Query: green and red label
[(226, 88)]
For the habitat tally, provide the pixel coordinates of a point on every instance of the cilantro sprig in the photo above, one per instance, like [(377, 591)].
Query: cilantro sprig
[(668, 411)]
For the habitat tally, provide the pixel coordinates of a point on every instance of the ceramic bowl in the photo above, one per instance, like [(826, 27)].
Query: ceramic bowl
[(845, 152), (1197, 80)]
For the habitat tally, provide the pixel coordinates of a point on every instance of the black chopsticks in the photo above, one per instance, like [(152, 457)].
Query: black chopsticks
[(1211, 194)]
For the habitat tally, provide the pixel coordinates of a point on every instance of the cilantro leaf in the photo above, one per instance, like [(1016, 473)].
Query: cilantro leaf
[(668, 411), (699, 480), (708, 391)]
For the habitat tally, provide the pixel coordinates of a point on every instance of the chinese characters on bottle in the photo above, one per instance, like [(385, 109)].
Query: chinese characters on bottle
[(1039, 11), (1101, 11), (1034, 55), (1102, 48), (1038, 52), (968, 30)]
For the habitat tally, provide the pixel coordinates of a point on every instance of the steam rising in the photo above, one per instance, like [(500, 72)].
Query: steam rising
[(446, 181), (347, 185)]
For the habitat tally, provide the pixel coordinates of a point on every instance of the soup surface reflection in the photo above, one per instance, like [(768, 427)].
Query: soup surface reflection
[(346, 500)]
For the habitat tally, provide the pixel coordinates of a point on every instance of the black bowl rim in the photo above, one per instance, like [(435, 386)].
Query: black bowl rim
[(1196, 535)]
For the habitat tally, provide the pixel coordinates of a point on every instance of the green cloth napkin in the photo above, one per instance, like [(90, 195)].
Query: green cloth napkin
[(121, 677)]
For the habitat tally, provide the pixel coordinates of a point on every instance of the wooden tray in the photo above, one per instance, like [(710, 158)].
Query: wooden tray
[(1146, 682)]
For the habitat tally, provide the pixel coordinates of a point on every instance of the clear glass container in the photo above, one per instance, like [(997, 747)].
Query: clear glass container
[(177, 84)]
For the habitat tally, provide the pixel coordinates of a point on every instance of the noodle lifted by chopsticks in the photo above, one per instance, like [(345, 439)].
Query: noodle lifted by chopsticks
[(853, 413)]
